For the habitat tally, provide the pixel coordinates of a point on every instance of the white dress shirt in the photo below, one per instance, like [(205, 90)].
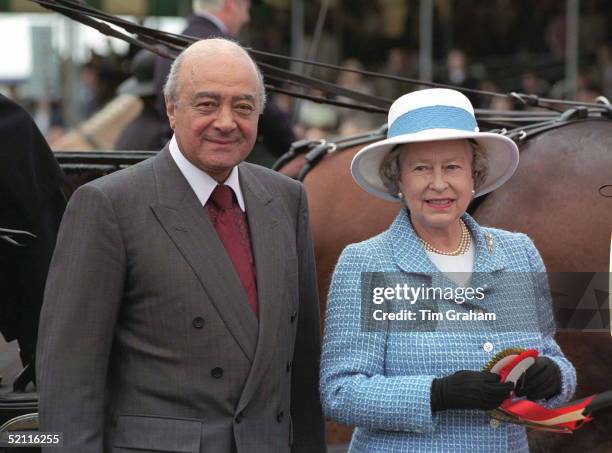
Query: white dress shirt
[(202, 183)]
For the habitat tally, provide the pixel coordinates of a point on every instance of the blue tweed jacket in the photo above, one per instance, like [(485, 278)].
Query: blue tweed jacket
[(380, 381)]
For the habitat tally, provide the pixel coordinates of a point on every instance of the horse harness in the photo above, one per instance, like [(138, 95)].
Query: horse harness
[(315, 150)]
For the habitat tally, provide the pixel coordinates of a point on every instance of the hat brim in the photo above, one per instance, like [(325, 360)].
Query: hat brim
[(137, 88), (502, 158)]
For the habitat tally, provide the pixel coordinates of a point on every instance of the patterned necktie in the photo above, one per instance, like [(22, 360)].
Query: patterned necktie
[(232, 228)]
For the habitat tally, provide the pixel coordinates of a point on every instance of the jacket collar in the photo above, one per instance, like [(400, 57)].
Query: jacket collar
[(201, 182)]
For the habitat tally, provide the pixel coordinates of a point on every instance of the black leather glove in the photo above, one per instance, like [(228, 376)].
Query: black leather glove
[(542, 380), (469, 390)]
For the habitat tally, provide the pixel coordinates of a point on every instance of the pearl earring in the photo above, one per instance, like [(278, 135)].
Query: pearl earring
[(400, 195)]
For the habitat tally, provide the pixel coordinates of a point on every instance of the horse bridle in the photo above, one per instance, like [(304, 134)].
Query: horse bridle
[(315, 150)]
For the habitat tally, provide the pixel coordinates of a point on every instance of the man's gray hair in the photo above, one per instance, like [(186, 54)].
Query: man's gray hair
[(206, 6), (390, 167), (172, 88)]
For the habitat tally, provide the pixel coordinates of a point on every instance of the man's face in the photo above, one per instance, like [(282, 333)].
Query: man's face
[(239, 15), (217, 110)]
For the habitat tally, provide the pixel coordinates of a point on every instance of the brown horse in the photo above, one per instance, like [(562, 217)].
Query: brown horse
[(553, 197)]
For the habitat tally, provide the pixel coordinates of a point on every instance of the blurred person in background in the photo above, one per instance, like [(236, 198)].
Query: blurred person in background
[(353, 80), (457, 73), (400, 62), (503, 104), (316, 120), (355, 121), (47, 115), (99, 80), (147, 130), (588, 87), (224, 19), (456, 70), (531, 83), (486, 101)]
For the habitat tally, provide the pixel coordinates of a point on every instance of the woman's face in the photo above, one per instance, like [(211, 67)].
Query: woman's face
[(436, 180)]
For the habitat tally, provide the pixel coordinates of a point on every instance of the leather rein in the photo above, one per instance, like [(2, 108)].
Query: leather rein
[(315, 150)]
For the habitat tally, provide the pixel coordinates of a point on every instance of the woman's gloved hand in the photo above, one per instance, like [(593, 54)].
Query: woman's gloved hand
[(469, 390), (542, 380)]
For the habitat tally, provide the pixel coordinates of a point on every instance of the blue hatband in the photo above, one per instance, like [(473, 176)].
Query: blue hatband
[(433, 117)]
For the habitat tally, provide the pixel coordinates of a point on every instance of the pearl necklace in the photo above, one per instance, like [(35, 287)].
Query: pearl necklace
[(464, 243)]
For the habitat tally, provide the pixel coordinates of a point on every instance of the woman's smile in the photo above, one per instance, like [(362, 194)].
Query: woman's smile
[(439, 203)]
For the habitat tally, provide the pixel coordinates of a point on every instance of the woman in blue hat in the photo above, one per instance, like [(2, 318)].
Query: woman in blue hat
[(416, 313)]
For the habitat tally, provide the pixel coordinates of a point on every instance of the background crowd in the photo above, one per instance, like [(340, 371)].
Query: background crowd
[(498, 45)]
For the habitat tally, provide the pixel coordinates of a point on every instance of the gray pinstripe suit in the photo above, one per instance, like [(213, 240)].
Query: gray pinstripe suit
[(146, 340)]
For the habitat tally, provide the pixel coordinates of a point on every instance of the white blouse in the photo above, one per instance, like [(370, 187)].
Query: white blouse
[(458, 268)]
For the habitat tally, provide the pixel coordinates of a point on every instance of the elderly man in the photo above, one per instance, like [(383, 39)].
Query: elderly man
[(180, 313), (224, 19)]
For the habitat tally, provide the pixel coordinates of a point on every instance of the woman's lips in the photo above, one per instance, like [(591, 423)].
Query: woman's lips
[(441, 203)]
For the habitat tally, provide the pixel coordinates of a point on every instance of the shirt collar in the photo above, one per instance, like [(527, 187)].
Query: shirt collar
[(215, 20), (202, 183)]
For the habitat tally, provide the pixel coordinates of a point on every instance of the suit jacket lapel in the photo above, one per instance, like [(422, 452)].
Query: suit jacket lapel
[(263, 214), (186, 222)]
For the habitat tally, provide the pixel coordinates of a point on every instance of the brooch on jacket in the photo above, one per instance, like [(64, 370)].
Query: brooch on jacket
[(489, 242)]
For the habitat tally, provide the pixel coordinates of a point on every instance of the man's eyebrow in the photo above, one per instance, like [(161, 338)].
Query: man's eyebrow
[(206, 94), (244, 97), (217, 96)]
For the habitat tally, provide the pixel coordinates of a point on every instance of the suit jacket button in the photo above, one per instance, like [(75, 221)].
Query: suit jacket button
[(293, 316), (239, 417), (216, 372), (289, 366), (198, 322), (280, 416)]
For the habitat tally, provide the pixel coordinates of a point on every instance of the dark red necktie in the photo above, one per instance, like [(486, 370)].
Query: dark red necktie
[(232, 228)]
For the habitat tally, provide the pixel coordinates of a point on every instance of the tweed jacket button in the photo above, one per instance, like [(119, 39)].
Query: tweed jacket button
[(289, 366), (293, 316), (488, 346), (494, 423), (239, 417), (198, 322), (216, 372), (280, 416)]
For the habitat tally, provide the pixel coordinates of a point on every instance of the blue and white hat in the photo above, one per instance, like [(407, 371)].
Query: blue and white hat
[(433, 115)]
